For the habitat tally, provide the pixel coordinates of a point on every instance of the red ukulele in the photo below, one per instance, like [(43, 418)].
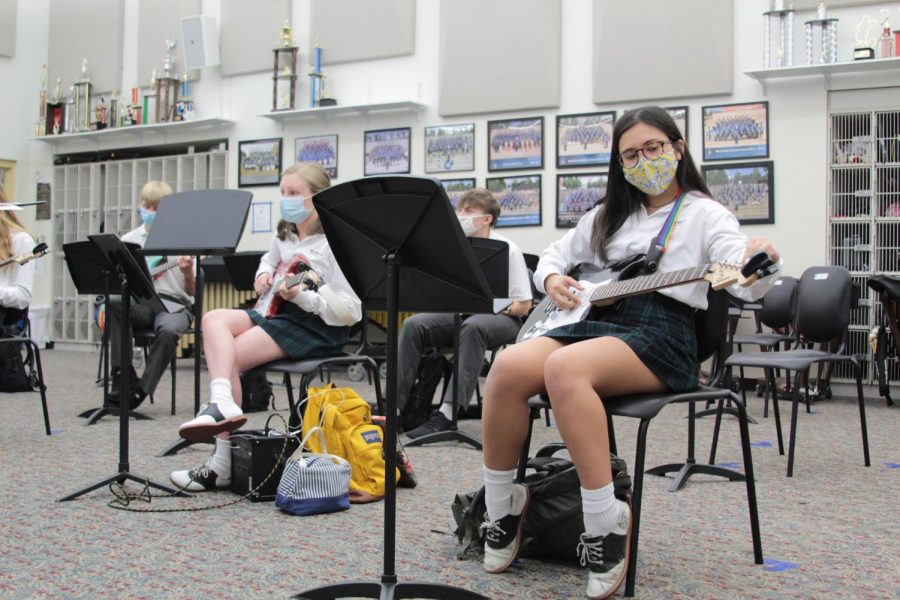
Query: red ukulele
[(299, 272)]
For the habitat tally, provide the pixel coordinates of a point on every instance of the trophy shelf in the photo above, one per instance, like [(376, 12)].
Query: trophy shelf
[(160, 130), (876, 66), (327, 111)]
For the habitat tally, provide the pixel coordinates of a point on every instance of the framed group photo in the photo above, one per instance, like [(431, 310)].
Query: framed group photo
[(519, 199), (680, 115), (516, 144), (450, 148), (746, 189), (259, 162), (584, 140), (736, 131), (387, 151), (321, 149), (576, 194), (455, 188)]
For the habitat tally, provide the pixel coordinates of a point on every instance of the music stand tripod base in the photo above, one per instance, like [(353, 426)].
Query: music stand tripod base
[(181, 444), (389, 591), (95, 414)]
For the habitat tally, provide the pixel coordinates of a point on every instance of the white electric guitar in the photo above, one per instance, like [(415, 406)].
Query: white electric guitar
[(606, 287)]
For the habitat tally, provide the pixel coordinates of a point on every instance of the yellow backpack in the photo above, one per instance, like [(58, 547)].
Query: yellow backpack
[(346, 421)]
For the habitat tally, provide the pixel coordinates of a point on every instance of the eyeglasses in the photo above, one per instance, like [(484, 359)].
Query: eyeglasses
[(651, 150)]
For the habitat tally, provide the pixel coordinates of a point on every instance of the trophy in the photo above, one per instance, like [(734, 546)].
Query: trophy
[(55, 112), (82, 116), (102, 115), (828, 33), (184, 108), (39, 126), (112, 115), (864, 40), (885, 43), (166, 87), (785, 52), (284, 71), (151, 93)]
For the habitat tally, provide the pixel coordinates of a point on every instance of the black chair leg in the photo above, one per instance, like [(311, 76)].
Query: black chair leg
[(714, 446), (41, 386), (776, 411), (174, 372), (751, 485), (637, 489), (533, 415), (795, 407), (862, 413)]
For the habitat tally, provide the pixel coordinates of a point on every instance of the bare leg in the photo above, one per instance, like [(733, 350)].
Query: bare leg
[(577, 377), (254, 347), (516, 375)]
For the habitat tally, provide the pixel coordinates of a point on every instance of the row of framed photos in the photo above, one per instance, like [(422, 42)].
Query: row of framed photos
[(730, 132), (746, 189)]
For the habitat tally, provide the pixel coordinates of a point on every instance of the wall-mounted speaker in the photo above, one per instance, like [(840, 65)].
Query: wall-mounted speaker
[(201, 42)]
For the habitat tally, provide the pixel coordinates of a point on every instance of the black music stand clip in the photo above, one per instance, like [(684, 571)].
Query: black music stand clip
[(400, 246), (134, 285)]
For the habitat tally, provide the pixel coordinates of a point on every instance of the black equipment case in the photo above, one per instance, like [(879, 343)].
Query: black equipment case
[(255, 453)]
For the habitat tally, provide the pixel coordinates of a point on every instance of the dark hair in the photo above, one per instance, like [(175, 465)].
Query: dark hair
[(622, 199), (483, 200)]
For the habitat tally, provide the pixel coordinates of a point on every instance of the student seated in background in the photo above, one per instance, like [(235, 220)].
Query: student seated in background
[(478, 212), (644, 344), (175, 286), (308, 323), (16, 280)]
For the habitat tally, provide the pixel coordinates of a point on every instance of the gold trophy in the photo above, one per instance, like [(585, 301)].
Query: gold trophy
[(81, 120)]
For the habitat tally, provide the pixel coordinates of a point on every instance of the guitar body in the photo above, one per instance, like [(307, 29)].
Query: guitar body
[(547, 316), (270, 303), (608, 286)]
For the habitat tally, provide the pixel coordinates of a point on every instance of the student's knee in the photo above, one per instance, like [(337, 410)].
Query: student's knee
[(561, 376), (213, 319)]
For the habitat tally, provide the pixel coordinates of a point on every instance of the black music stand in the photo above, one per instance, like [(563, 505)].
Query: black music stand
[(400, 246), (201, 222), (92, 273), (493, 259), (242, 267), (133, 285)]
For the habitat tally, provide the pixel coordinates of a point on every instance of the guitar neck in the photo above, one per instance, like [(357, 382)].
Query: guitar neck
[(648, 283)]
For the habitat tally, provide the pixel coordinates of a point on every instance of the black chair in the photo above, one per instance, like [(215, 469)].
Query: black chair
[(711, 331), (308, 368), (145, 340), (777, 313), (33, 359), (822, 317)]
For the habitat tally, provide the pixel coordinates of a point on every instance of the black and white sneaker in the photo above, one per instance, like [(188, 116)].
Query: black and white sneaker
[(503, 538), (436, 423), (607, 557), (212, 420), (201, 479)]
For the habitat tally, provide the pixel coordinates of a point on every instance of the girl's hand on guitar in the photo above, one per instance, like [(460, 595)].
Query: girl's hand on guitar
[(559, 288), (288, 293), (263, 283), (758, 244)]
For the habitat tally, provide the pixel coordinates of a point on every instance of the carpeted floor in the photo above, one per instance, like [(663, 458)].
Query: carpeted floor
[(830, 531)]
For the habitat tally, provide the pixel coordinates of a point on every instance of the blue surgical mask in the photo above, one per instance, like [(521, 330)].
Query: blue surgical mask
[(147, 217), (293, 209)]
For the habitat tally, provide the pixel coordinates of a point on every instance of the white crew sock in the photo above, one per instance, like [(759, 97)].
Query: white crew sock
[(220, 395), (498, 492), (221, 458), (601, 510), (446, 409)]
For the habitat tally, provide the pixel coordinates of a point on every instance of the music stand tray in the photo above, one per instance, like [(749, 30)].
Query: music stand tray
[(200, 222), (133, 285), (400, 245)]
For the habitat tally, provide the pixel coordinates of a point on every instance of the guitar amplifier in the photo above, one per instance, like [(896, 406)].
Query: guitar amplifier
[(255, 455)]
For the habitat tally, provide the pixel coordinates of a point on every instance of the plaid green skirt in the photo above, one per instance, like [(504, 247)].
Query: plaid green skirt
[(301, 334), (659, 330)]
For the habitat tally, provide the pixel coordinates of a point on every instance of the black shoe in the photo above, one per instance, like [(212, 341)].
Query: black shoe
[(503, 538), (436, 423), (607, 557), (115, 377)]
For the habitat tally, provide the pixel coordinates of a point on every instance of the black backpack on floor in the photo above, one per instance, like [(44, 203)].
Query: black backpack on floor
[(256, 392), (554, 523), (418, 405), (12, 368)]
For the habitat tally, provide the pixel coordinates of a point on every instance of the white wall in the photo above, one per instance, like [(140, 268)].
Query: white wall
[(797, 120)]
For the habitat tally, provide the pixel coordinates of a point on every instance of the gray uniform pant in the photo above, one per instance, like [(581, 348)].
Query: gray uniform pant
[(167, 326), (433, 330)]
